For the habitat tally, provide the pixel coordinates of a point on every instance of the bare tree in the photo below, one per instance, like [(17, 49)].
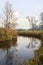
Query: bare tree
[(41, 24), (32, 21), (9, 15), (41, 16)]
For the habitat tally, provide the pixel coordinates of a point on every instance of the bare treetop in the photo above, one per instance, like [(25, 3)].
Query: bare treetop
[(9, 15)]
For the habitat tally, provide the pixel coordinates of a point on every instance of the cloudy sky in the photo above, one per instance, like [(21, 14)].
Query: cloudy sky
[(24, 8)]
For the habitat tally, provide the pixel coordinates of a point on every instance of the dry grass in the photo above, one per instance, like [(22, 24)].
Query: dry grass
[(7, 34), (31, 33)]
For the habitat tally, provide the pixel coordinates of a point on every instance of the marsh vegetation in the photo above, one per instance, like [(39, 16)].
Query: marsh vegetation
[(20, 46)]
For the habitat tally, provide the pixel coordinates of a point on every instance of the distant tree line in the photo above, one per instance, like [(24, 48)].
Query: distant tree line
[(33, 22)]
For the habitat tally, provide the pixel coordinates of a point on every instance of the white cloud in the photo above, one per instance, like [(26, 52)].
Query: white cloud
[(23, 24), (16, 14)]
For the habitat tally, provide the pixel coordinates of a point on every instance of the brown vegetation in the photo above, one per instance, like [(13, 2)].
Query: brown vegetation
[(7, 34)]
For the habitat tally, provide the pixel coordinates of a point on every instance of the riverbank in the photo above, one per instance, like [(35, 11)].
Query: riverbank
[(7, 34), (32, 33)]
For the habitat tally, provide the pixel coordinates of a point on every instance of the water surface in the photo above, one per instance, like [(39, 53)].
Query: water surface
[(18, 52)]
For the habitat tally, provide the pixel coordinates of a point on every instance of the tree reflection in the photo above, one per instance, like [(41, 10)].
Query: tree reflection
[(6, 46), (32, 43), (11, 57)]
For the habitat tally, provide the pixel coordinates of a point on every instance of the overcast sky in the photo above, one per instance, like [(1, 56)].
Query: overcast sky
[(24, 8)]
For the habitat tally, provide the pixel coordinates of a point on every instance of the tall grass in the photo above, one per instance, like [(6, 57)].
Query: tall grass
[(7, 34), (31, 33)]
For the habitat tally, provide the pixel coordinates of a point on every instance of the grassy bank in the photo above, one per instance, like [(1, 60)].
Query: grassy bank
[(31, 33), (7, 34)]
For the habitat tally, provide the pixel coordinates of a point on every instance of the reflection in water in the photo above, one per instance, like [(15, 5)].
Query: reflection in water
[(18, 52), (7, 53), (34, 44)]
